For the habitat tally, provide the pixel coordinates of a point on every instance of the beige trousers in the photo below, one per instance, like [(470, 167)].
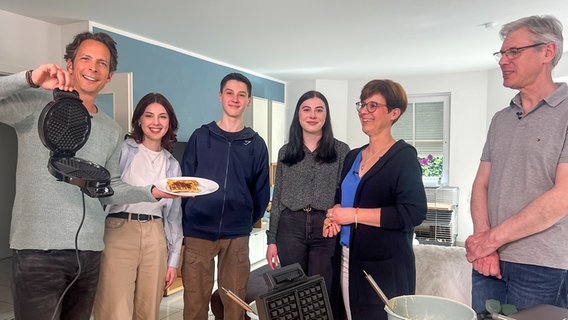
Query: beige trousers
[(198, 272), (133, 270)]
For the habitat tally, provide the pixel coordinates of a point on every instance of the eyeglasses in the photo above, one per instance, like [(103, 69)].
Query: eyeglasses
[(513, 53), (370, 106)]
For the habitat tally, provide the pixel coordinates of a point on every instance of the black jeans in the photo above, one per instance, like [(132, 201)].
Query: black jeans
[(300, 240), (39, 278)]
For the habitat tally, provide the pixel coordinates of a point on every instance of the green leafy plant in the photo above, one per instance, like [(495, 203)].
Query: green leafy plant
[(431, 166), (493, 306)]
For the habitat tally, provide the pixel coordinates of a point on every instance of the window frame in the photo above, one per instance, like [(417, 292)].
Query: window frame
[(445, 99)]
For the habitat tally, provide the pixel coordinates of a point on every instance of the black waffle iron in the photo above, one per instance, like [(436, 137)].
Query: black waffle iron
[(293, 296), (64, 127)]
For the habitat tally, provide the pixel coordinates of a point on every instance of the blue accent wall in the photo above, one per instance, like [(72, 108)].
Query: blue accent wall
[(105, 104), (191, 84)]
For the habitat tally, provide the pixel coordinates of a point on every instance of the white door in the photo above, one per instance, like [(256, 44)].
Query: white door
[(116, 100)]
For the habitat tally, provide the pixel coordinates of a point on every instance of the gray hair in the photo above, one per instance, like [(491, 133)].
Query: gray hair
[(544, 29)]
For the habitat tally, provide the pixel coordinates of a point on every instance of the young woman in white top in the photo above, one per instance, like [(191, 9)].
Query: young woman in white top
[(142, 240)]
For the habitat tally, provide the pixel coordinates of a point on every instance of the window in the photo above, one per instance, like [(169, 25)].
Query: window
[(425, 125)]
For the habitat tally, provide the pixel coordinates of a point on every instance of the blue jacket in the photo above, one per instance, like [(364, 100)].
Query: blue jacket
[(240, 167)]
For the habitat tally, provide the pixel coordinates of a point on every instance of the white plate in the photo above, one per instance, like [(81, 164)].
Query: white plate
[(206, 186)]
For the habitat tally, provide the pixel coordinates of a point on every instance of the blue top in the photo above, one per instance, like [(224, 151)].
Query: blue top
[(348, 189)]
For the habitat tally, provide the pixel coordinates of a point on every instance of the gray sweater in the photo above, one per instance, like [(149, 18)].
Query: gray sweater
[(306, 183), (47, 212)]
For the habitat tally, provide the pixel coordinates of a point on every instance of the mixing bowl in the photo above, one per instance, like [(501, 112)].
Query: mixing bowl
[(422, 307)]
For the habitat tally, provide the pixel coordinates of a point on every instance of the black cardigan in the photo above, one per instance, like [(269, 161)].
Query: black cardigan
[(393, 184)]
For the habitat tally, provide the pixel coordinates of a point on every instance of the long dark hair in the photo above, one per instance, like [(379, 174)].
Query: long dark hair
[(137, 134), (325, 152)]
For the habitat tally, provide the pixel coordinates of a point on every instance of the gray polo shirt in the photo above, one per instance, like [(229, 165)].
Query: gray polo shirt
[(524, 151)]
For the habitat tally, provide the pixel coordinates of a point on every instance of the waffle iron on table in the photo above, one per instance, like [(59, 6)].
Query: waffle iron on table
[(293, 296), (64, 127)]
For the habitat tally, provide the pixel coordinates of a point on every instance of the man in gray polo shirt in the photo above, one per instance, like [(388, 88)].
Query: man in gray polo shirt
[(519, 202)]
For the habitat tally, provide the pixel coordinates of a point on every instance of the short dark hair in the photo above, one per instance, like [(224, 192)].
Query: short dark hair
[(393, 92), (137, 134), (239, 77), (544, 29), (326, 146), (71, 48)]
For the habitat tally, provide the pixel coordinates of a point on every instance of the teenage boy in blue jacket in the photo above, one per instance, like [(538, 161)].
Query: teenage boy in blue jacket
[(219, 224)]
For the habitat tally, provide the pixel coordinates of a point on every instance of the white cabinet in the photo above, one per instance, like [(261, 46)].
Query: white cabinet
[(257, 246), (268, 118)]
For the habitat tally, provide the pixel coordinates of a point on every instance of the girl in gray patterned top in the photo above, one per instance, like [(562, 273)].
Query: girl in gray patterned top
[(307, 175)]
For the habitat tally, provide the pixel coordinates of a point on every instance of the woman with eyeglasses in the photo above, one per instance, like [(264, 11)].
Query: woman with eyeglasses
[(307, 175), (379, 202)]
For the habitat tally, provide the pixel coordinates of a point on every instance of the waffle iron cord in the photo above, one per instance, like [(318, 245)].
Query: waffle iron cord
[(78, 261)]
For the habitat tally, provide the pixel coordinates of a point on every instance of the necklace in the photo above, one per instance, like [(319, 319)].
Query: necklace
[(362, 168), (155, 157), (151, 154)]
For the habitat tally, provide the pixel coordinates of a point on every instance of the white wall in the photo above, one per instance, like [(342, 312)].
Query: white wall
[(561, 70), (335, 92), (498, 97), (34, 43)]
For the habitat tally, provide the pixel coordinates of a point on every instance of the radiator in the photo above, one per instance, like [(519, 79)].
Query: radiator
[(440, 226)]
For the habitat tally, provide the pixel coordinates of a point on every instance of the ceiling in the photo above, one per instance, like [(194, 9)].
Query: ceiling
[(313, 39)]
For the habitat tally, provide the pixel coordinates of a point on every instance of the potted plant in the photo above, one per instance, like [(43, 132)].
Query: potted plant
[(495, 310), (432, 169)]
